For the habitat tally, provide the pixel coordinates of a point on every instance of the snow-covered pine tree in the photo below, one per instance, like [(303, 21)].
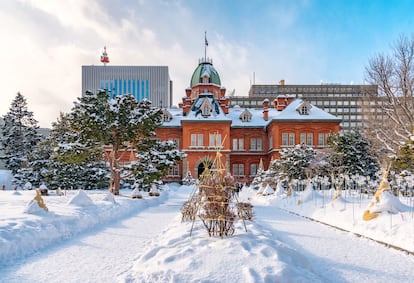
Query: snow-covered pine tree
[(120, 122), (38, 166), (259, 178), (19, 134), (356, 154), (154, 158), (73, 163), (295, 160)]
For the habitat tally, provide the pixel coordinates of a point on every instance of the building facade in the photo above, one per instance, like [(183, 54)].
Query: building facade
[(353, 104), (206, 122), (143, 82)]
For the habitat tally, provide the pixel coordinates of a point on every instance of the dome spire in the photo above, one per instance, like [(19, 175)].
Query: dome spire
[(205, 45)]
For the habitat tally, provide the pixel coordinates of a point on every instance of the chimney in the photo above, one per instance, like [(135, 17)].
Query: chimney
[(281, 101), (266, 109), (186, 105), (282, 82), (188, 92), (224, 104), (222, 92)]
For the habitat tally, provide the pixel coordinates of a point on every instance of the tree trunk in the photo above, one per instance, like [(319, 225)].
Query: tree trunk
[(115, 170), (115, 182)]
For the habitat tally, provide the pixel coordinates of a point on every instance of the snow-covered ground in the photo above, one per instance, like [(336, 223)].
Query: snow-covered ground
[(88, 236)]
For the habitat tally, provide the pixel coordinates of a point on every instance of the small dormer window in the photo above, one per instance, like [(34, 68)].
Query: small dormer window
[(205, 79), (246, 116), (206, 108), (166, 116), (304, 108)]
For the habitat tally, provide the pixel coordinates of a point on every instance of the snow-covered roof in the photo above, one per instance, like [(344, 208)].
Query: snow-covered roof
[(314, 113), (290, 113), (196, 114), (255, 121), (176, 115)]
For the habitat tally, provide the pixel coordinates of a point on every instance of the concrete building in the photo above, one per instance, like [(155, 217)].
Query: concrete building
[(143, 82), (351, 103)]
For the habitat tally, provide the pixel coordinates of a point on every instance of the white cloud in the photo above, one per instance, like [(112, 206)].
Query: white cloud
[(45, 43)]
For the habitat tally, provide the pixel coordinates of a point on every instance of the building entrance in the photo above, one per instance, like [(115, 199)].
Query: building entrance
[(202, 166)]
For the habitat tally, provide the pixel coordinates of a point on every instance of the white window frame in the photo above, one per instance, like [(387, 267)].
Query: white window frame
[(238, 169), (309, 140)]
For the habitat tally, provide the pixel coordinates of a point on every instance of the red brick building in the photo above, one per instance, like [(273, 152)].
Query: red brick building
[(204, 122)]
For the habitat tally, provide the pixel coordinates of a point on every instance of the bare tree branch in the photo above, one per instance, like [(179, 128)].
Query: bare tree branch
[(394, 75)]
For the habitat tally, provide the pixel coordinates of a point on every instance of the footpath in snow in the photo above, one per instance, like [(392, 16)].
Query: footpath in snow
[(145, 241)]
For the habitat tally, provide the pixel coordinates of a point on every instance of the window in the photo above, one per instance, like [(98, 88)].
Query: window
[(304, 108), (206, 108), (271, 142), (215, 140), (255, 144), (238, 169), (246, 116), (306, 138), (321, 139), (166, 116), (291, 139), (174, 171), (197, 140), (253, 169), (285, 139), (302, 138), (205, 79), (238, 144), (288, 139), (310, 139)]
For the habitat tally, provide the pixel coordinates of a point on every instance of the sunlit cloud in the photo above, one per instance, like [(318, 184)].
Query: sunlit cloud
[(44, 43)]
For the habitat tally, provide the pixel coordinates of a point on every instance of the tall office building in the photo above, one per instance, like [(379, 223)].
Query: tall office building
[(143, 82)]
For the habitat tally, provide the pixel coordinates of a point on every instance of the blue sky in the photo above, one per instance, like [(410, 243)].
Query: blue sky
[(45, 42)]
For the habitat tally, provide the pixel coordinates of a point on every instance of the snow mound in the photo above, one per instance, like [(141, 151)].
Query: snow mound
[(43, 187), (28, 186), (33, 208), (260, 189), (16, 193), (280, 191), (309, 194), (136, 193), (256, 256), (81, 199), (110, 198), (268, 190), (389, 203)]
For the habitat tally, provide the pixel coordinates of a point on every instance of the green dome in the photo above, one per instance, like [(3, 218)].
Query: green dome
[(205, 68)]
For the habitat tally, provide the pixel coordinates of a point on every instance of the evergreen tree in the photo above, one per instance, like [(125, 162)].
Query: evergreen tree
[(122, 123), (19, 134), (74, 164), (293, 162), (37, 170), (259, 178), (353, 152), (154, 158)]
